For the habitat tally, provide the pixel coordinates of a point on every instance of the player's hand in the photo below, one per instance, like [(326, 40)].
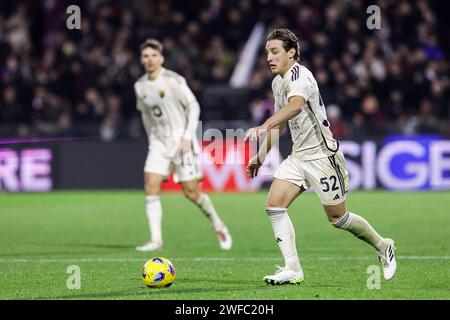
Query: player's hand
[(186, 146), (255, 133), (253, 166)]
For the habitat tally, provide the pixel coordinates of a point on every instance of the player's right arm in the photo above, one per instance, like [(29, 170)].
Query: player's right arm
[(141, 107), (257, 160), (192, 109), (146, 121)]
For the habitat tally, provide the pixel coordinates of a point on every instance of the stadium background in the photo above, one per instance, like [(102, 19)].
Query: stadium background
[(386, 91)]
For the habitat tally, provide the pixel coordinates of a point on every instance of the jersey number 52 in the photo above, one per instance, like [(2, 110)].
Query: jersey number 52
[(324, 182)]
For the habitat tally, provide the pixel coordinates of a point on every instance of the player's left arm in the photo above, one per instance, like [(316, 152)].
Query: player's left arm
[(192, 109), (193, 116), (294, 106)]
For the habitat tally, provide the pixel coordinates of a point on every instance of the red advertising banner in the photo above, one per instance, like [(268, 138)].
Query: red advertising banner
[(223, 165)]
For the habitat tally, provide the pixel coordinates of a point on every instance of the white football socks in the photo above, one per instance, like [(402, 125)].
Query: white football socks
[(285, 237), (205, 204), (361, 229), (154, 215)]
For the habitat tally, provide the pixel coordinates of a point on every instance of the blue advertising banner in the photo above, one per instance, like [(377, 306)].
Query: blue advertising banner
[(399, 163)]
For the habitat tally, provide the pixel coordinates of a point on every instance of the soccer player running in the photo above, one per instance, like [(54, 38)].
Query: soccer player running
[(170, 114), (315, 160)]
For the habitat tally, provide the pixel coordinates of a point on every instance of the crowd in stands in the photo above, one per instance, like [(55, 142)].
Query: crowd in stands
[(61, 82)]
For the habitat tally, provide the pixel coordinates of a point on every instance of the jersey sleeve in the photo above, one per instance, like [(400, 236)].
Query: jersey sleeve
[(182, 91), (300, 87), (146, 122), (139, 103), (191, 106)]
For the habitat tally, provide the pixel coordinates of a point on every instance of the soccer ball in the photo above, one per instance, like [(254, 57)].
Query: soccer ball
[(158, 272)]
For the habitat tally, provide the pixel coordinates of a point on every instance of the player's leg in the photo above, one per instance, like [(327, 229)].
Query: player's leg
[(155, 170), (187, 172), (340, 218), (154, 211), (281, 195), (192, 192), (330, 180)]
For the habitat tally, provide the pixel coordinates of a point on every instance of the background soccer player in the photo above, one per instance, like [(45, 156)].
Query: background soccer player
[(315, 160), (170, 114)]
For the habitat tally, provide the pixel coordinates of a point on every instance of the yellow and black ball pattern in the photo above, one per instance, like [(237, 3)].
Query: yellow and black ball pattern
[(158, 272)]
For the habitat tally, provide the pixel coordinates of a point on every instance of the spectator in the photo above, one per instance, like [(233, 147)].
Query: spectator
[(52, 117), (377, 77), (12, 114)]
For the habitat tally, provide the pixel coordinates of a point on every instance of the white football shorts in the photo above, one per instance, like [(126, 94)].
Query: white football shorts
[(185, 167), (327, 176)]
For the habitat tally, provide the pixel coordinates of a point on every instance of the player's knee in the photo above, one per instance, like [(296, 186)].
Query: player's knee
[(191, 193), (151, 189), (271, 203), (334, 216), (335, 212)]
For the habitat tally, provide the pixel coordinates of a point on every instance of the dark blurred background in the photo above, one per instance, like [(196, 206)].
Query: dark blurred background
[(60, 82)]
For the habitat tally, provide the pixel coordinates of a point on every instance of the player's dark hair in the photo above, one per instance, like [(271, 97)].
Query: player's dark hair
[(289, 39), (152, 43)]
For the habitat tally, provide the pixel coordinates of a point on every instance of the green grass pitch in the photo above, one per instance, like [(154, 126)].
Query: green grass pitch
[(41, 235)]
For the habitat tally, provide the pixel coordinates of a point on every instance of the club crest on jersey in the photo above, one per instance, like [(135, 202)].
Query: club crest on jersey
[(162, 94)]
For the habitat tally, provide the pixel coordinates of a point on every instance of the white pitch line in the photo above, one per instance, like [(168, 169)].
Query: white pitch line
[(225, 259)]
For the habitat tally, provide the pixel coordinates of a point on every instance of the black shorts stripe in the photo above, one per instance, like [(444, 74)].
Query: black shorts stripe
[(333, 164), (338, 174)]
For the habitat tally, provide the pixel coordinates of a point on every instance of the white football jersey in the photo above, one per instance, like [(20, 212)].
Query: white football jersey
[(169, 109), (310, 129)]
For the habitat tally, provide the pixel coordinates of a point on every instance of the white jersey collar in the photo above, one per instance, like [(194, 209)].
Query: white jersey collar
[(159, 75)]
